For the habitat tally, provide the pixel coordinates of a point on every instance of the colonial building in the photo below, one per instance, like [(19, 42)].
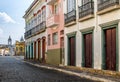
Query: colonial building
[(92, 33), (35, 31), (89, 35), (7, 49), (55, 32), (4, 50), (20, 47)]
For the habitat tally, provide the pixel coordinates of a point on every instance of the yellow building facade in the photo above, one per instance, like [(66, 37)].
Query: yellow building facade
[(19, 48)]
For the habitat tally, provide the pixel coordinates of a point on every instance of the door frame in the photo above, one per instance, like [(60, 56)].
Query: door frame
[(83, 47), (69, 35), (43, 50), (39, 48), (35, 50), (32, 51), (62, 55), (103, 48)]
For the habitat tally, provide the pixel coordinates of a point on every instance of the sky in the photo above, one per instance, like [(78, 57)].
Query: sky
[(11, 19)]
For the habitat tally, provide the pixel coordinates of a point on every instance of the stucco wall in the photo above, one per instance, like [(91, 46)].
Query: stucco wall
[(96, 24), (53, 56)]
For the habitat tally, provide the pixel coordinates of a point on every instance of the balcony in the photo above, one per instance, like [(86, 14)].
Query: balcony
[(41, 27), (108, 5), (33, 31), (36, 30), (86, 11), (53, 20), (70, 18), (28, 34), (50, 2)]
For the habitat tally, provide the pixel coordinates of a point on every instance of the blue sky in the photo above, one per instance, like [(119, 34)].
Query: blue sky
[(11, 21)]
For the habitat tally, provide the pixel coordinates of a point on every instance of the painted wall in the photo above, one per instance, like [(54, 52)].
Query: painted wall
[(58, 28), (34, 10), (96, 23)]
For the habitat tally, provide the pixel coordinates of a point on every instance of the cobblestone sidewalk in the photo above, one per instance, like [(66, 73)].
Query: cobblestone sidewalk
[(98, 75)]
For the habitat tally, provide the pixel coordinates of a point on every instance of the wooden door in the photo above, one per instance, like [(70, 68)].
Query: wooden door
[(35, 50), (39, 50), (110, 48), (62, 50), (72, 51), (43, 49), (88, 50)]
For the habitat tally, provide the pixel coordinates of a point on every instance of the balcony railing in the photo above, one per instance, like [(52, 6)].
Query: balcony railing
[(35, 30), (105, 4), (41, 27), (53, 20), (71, 16), (28, 34), (86, 9)]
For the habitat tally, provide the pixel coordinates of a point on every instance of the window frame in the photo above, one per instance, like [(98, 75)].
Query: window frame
[(55, 38), (49, 39)]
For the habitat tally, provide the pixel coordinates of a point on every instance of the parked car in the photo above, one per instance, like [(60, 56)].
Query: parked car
[(7, 54)]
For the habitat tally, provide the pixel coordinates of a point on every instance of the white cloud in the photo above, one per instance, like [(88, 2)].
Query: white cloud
[(6, 17)]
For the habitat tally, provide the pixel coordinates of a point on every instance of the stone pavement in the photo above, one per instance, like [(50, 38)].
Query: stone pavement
[(97, 75), (14, 69)]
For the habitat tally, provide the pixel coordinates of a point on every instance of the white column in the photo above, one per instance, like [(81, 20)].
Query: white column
[(66, 49), (97, 41), (119, 46)]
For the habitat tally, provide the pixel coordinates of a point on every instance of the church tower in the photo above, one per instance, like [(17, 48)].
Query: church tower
[(9, 41)]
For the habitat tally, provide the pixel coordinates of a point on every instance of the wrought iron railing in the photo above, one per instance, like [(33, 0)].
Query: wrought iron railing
[(40, 27), (28, 34), (86, 9), (71, 16), (107, 3)]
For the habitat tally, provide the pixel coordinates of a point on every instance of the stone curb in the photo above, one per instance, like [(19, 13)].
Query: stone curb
[(82, 75)]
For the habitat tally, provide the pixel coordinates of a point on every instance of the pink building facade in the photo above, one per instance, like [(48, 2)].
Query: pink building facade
[(55, 32)]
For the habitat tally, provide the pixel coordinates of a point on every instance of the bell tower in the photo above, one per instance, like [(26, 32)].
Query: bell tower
[(9, 41)]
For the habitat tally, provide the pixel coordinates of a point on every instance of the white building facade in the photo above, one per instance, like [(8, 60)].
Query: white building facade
[(35, 30), (92, 34)]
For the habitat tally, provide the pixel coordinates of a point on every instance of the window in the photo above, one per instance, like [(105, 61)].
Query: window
[(70, 5), (49, 39), (61, 32), (21, 49), (35, 21), (16, 48), (55, 8), (55, 38), (43, 14), (39, 18)]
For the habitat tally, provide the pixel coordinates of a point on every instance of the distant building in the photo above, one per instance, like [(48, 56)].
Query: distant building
[(20, 47), (9, 41), (10, 46), (7, 49), (4, 49)]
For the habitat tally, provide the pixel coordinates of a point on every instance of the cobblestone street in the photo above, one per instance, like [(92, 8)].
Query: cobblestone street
[(14, 70)]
